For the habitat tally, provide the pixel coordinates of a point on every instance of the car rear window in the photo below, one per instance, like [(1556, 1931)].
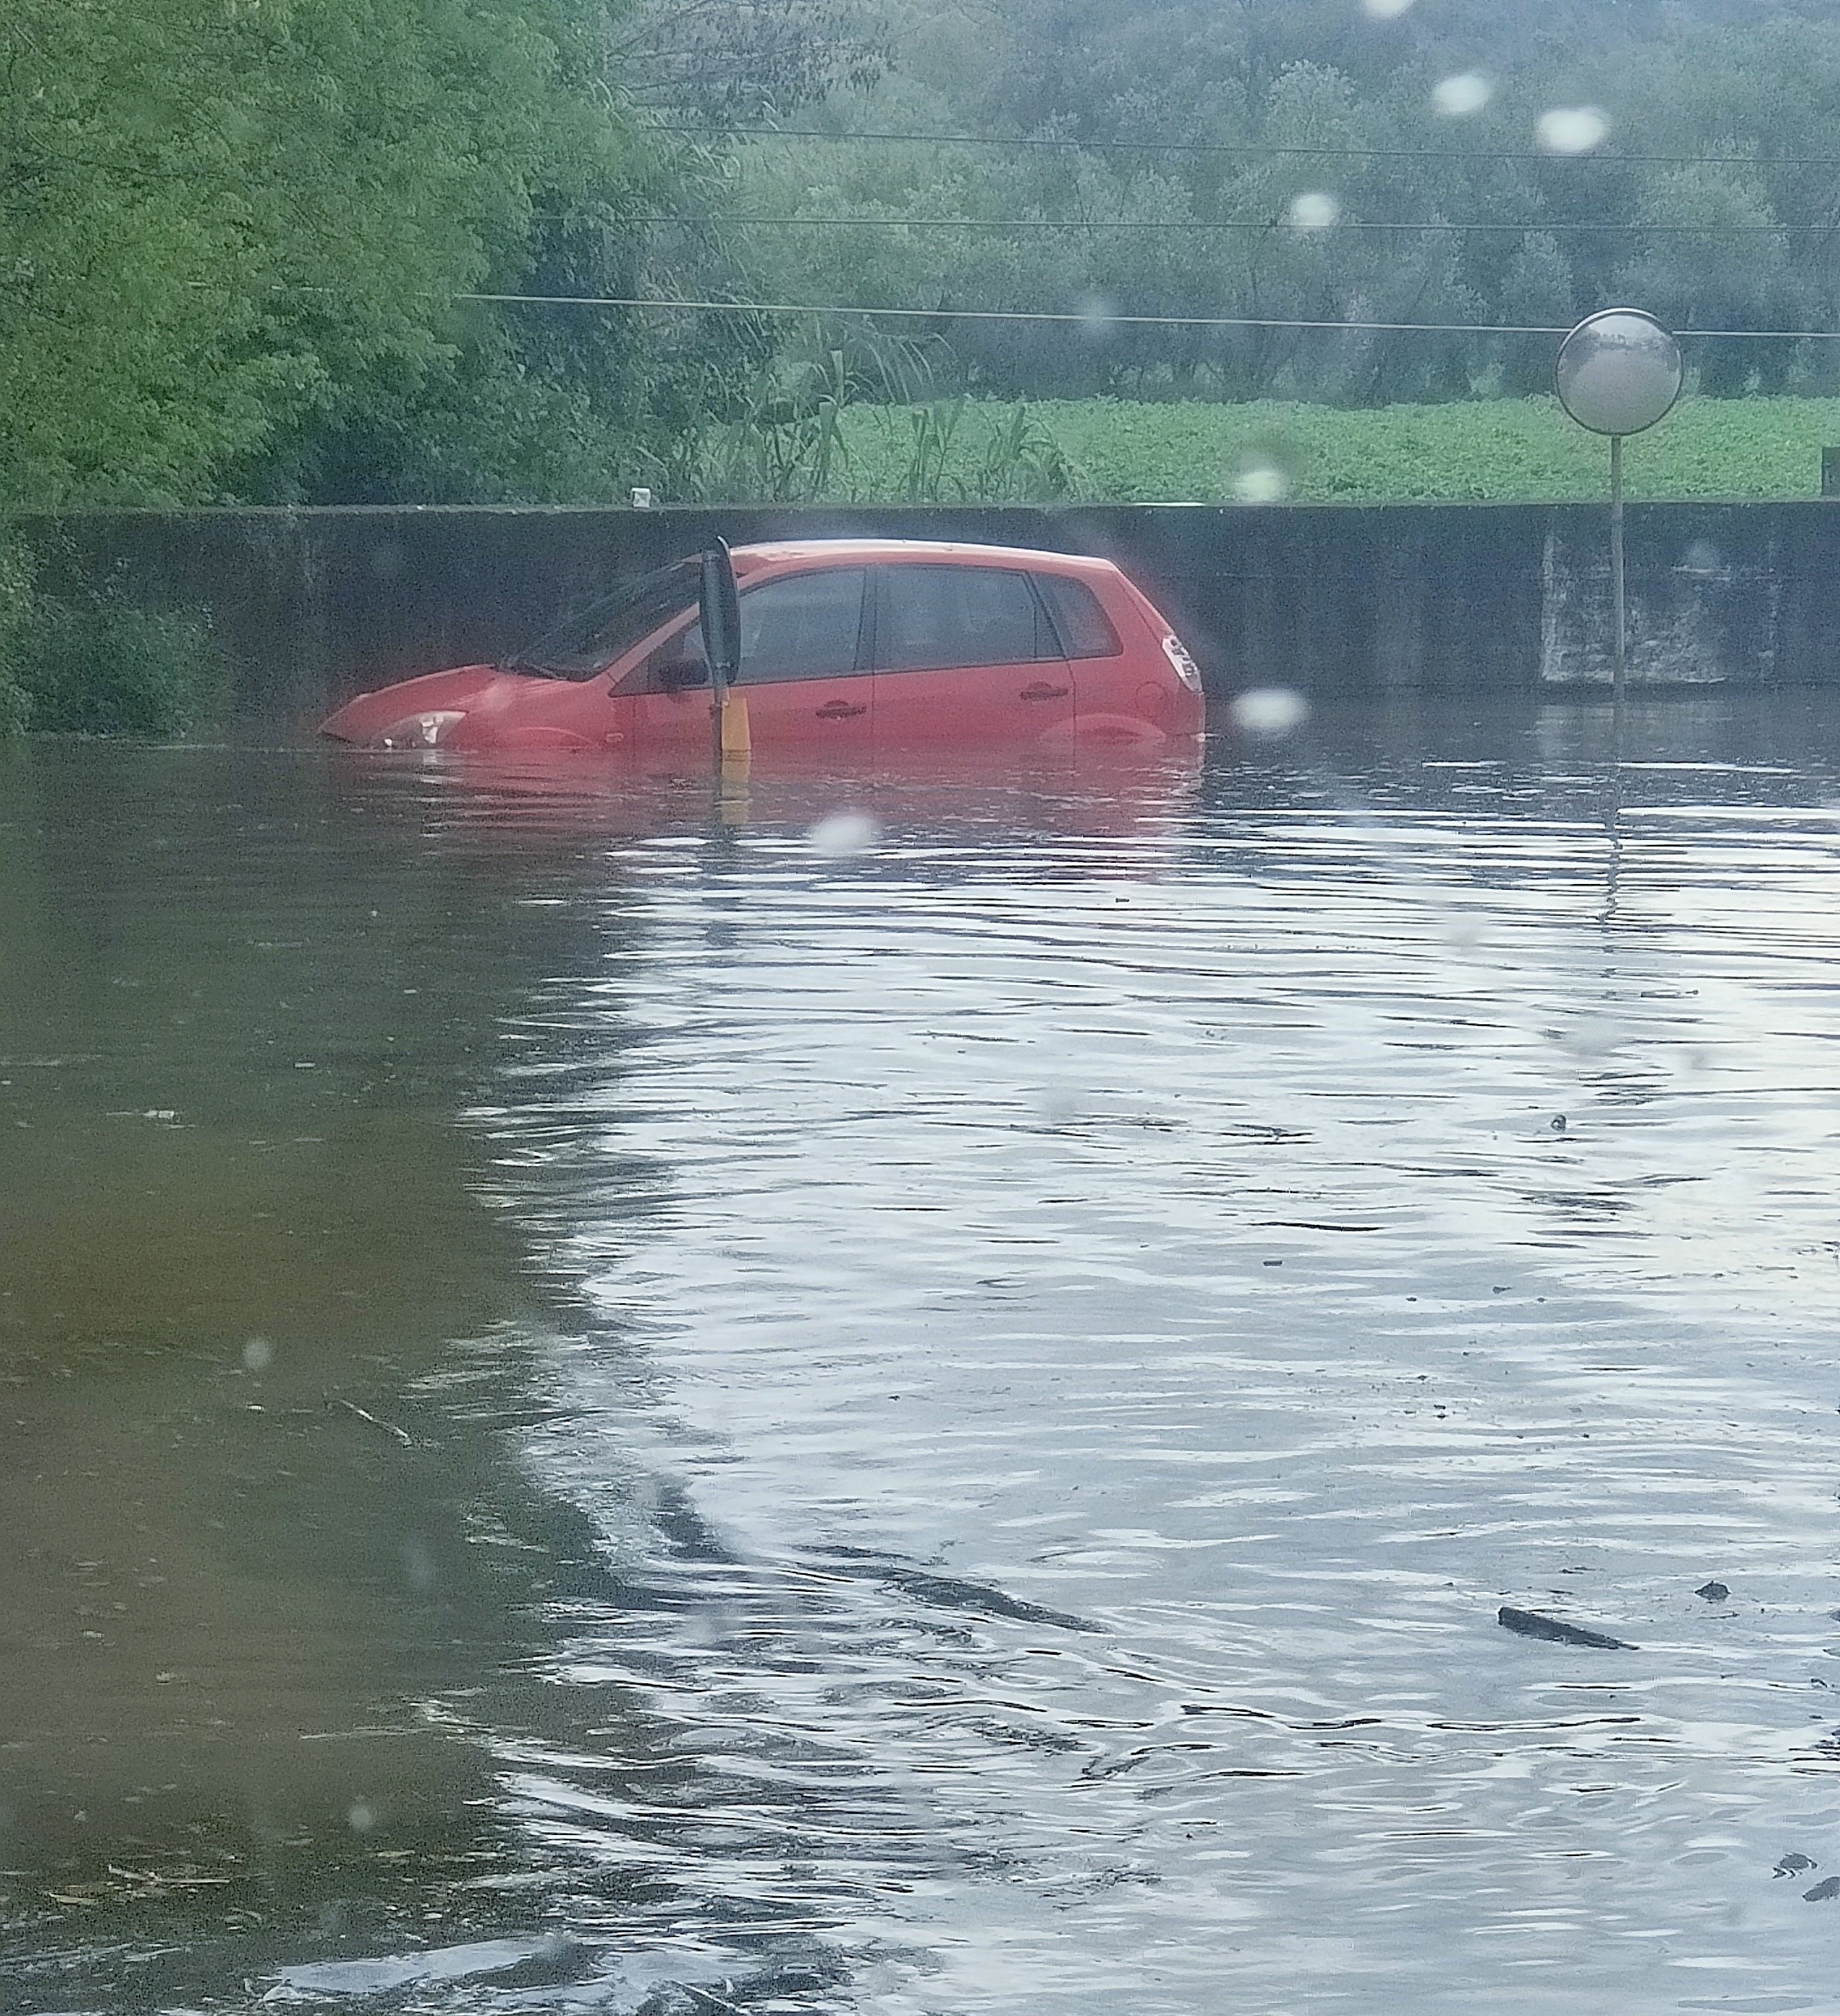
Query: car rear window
[(932, 618), (1086, 629)]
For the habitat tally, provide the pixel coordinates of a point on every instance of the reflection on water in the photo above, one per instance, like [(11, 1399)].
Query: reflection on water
[(610, 1408)]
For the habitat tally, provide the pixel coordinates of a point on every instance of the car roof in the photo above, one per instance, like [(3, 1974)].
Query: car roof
[(776, 554)]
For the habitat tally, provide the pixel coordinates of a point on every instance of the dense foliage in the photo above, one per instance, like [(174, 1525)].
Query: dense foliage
[(1136, 214), (237, 238), (102, 666), (232, 235)]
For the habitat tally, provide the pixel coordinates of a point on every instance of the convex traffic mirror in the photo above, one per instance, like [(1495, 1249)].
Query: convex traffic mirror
[(1618, 372)]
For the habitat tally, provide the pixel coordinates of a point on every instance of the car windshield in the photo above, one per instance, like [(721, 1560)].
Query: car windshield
[(591, 641)]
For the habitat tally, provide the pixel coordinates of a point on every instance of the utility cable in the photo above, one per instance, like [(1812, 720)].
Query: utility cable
[(1262, 149), (1100, 321), (1218, 224)]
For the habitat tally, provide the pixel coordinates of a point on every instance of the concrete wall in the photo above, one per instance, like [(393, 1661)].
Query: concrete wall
[(1336, 600)]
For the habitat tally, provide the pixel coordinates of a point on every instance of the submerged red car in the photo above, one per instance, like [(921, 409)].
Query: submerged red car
[(845, 649)]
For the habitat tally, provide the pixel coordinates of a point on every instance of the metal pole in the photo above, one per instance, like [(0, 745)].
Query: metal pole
[(1616, 569), (719, 709)]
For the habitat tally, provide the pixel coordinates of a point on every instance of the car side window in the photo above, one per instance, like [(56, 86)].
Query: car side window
[(1086, 629), (933, 617), (804, 627)]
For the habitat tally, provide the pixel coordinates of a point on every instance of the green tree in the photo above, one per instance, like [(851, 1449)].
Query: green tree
[(227, 227)]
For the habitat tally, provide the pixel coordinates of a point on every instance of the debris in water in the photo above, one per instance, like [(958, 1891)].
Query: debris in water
[(1713, 1592), (392, 1972), (1530, 1624), (389, 1427)]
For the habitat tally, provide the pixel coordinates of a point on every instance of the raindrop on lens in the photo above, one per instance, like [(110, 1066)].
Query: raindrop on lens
[(1260, 480), (843, 834), (360, 1816), (1060, 1106), (1462, 97), (1314, 210), (1100, 317), (258, 1355), (1573, 129), (1385, 10), (1269, 712), (1701, 558)]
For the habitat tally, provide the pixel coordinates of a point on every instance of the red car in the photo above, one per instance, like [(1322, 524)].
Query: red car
[(847, 649)]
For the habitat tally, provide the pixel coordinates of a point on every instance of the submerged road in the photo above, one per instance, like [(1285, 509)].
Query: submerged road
[(598, 1414)]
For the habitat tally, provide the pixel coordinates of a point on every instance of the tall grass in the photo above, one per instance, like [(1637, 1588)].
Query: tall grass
[(1509, 450)]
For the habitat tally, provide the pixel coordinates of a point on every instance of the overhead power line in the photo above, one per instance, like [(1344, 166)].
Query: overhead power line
[(1229, 223), (1259, 149), (1100, 321)]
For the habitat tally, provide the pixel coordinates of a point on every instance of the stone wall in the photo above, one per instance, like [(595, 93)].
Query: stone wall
[(1333, 599)]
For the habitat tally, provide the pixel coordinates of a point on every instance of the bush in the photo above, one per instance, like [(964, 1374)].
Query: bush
[(102, 666)]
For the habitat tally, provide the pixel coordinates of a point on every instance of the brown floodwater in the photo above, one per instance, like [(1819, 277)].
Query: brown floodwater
[(922, 1398)]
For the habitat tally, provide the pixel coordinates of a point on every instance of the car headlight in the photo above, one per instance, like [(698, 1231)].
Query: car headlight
[(1184, 667), (419, 731)]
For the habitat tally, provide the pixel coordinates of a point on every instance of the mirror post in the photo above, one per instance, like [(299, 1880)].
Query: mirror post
[(1618, 373), (1620, 667)]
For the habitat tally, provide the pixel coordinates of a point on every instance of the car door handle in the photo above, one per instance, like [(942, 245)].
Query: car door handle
[(839, 710), (1043, 691)]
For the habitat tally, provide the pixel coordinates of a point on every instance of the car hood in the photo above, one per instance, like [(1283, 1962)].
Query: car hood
[(463, 688)]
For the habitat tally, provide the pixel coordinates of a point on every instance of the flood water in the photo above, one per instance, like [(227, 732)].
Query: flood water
[(602, 1408)]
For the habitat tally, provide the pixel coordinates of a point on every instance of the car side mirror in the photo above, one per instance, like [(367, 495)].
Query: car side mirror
[(676, 674), (720, 608)]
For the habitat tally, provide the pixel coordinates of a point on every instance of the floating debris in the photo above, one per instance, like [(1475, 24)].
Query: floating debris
[(1530, 1624)]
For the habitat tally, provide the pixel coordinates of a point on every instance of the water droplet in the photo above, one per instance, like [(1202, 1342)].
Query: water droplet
[(1701, 557), (1061, 1106), (1269, 712), (419, 1567), (258, 1355), (1261, 480), (360, 1816), (1572, 129), (1099, 314), (1314, 210), (1385, 10), (1462, 97), (843, 834)]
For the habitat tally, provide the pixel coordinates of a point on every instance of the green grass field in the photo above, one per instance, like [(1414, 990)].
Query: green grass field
[(1505, 449)]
